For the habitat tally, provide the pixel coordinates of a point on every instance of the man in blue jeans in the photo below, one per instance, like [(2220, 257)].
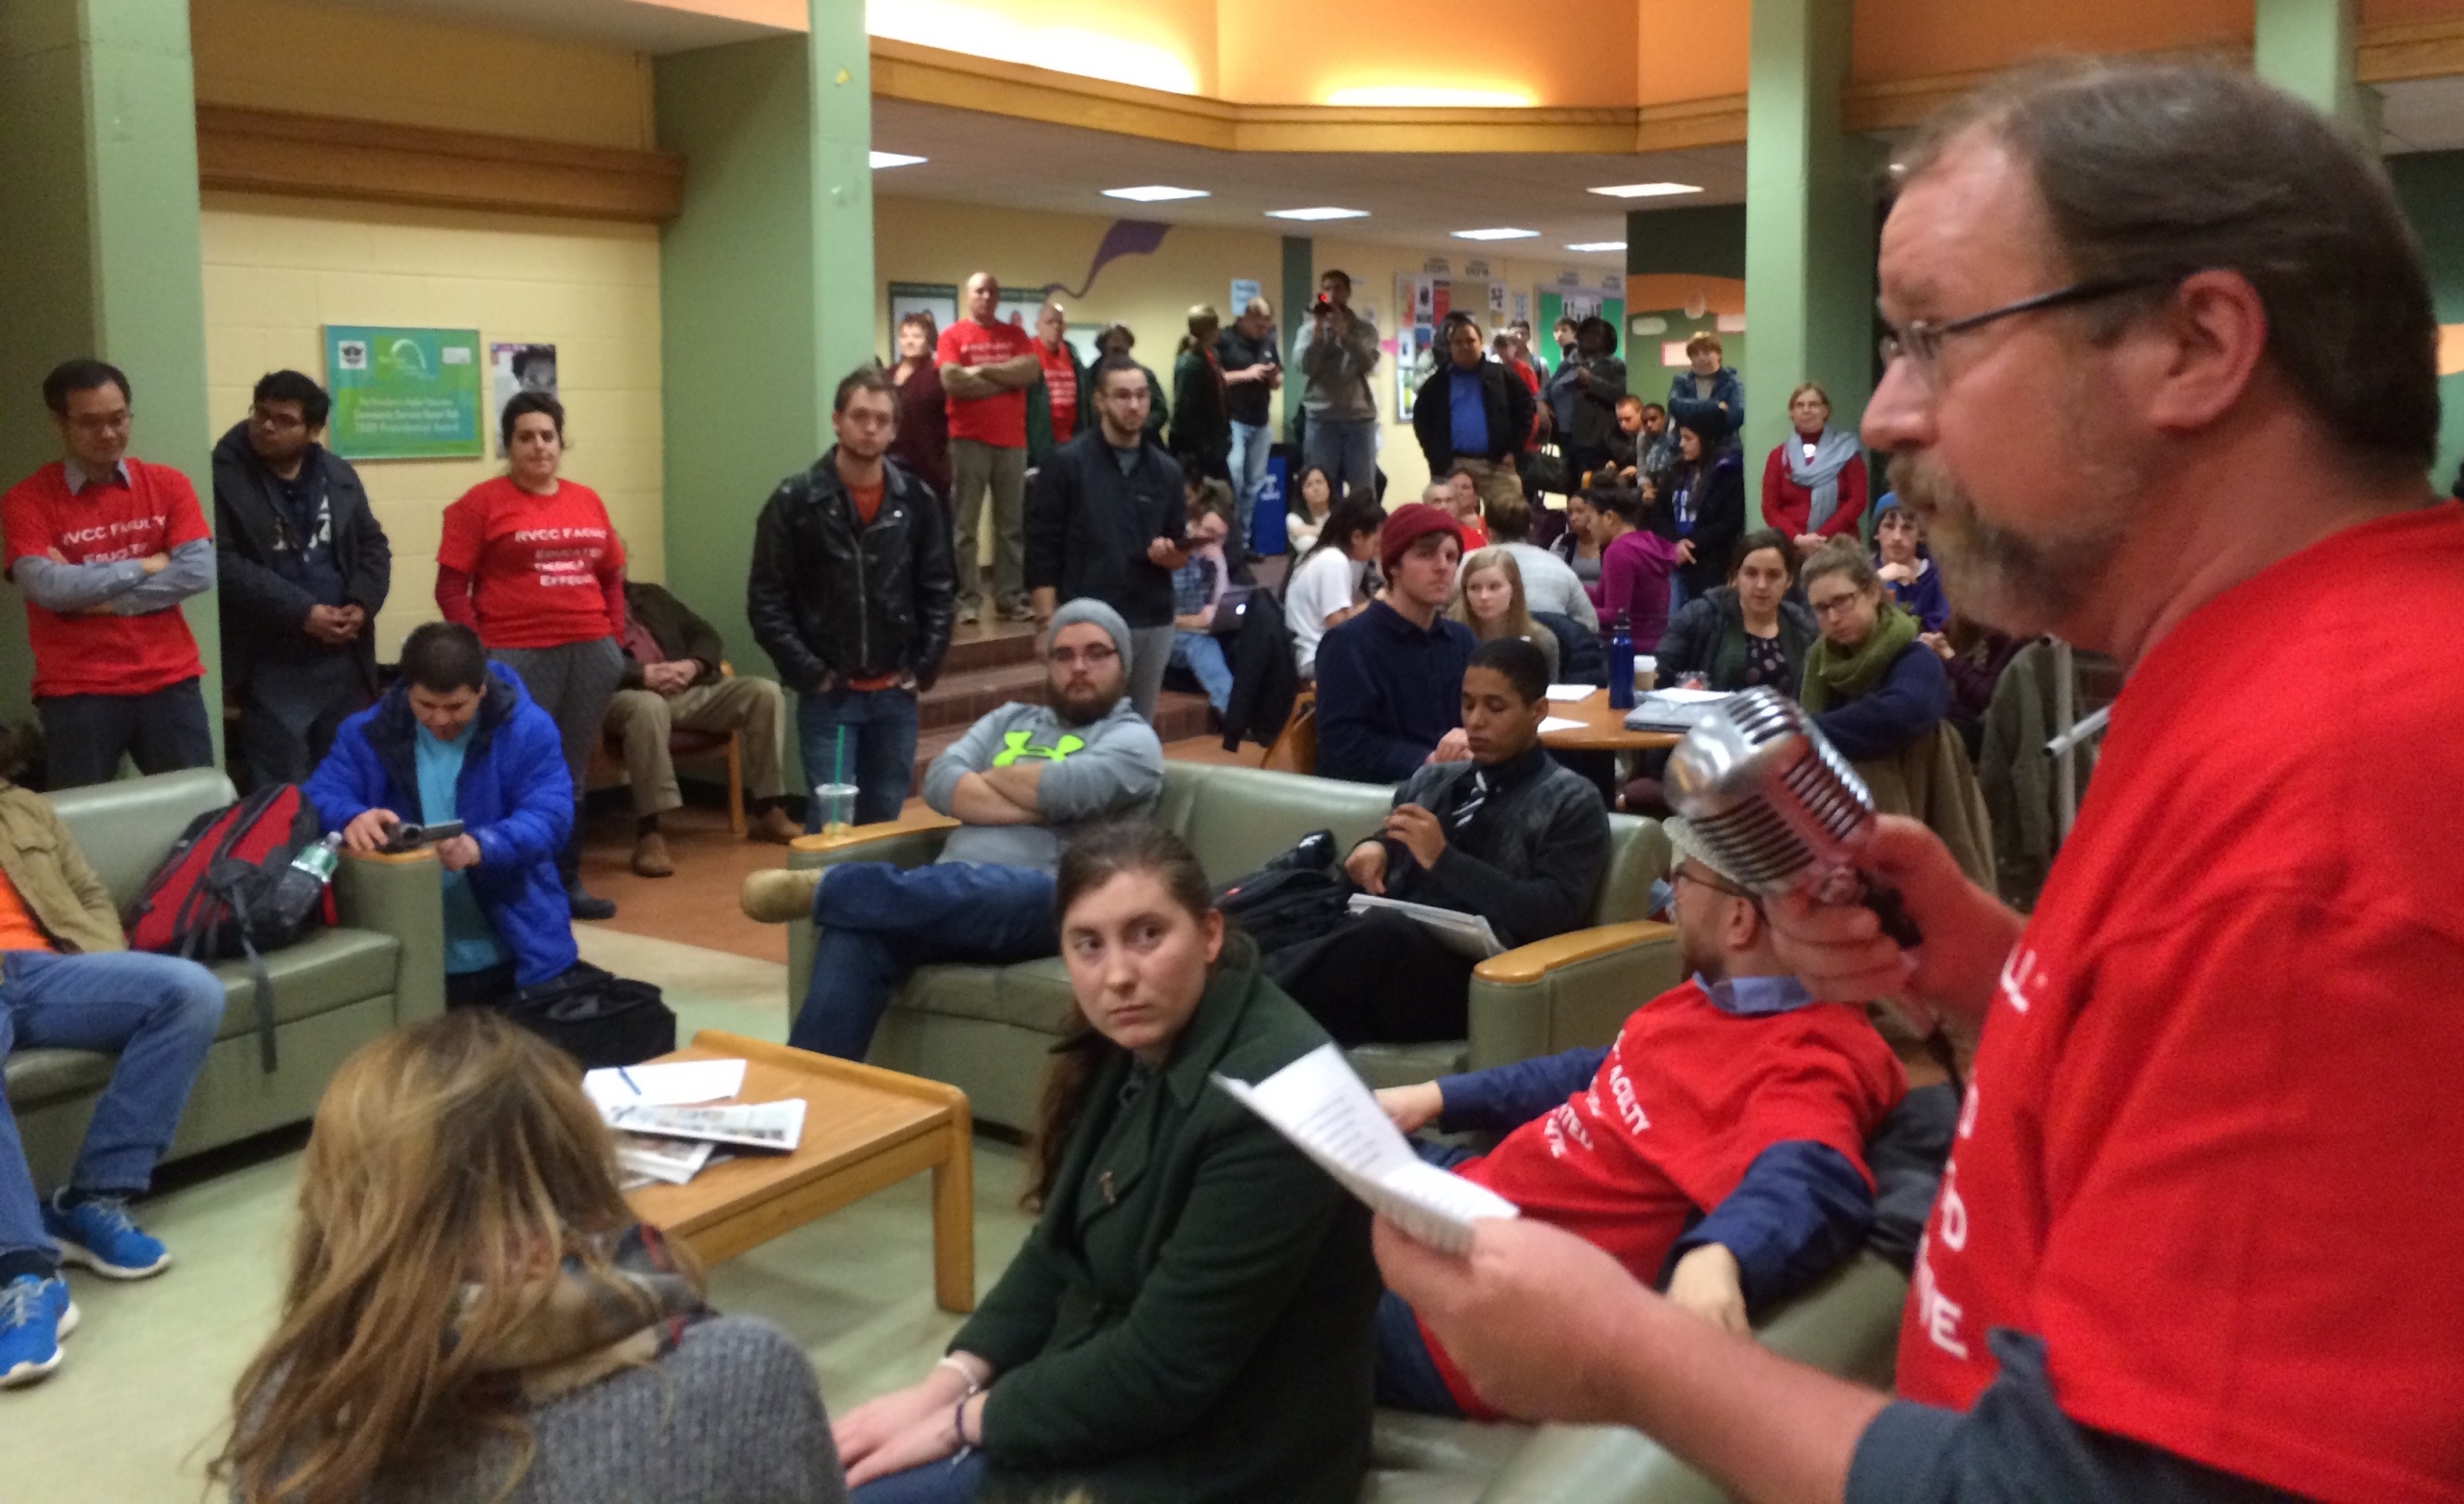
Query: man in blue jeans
[(1197, 586), (67, 982), (852, 594), (1022, 780), (1335, 354)]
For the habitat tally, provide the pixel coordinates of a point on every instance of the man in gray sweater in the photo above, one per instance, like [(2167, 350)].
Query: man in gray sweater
[(1023, 779), (1334, 354)]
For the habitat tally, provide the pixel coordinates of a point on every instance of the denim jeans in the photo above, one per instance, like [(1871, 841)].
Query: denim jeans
[(158, 1013), (1407, 1376), (879, 726), (1345, 448), (1250, 443), (1202, 654), (874, 922), (943, 1482)]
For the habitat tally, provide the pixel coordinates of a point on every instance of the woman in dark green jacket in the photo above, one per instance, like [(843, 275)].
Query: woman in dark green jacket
[(1190, 1320), (1748, 631)]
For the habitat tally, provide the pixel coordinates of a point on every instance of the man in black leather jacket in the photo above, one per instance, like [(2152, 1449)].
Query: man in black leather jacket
[(851, 595)]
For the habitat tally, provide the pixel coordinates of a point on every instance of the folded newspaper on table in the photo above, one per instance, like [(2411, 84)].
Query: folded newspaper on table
[(1465, 934), (757, 1125), (667, 1161), (1322, 1107)]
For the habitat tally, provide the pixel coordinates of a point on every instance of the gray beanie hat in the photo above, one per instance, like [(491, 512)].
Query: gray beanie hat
[(1685, 843), (1087, 608)]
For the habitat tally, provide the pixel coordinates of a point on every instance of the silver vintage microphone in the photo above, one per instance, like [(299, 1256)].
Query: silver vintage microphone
[(1773, 800)]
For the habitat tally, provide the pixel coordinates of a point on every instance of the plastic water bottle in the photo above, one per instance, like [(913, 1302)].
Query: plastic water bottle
[(302, 888), (1621, 663), (319, 860)]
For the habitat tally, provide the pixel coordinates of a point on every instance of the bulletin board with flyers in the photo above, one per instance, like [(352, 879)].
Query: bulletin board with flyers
[(1426, 299)]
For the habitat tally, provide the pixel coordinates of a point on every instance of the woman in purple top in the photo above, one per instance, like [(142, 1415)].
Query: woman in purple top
[(1634, 565)]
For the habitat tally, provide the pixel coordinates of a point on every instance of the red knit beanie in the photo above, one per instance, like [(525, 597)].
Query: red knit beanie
[(1405, 526)]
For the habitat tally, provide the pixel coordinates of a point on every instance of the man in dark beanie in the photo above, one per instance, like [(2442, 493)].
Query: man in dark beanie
[(1389, 679)]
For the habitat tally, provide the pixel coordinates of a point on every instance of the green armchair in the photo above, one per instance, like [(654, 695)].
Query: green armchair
[(381, 965), (986, 1028)]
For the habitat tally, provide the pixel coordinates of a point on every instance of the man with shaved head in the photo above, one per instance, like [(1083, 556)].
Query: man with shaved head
[(2161, 379), (987, 366)]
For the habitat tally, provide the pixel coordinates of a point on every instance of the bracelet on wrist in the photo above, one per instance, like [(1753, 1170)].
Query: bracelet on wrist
[(974, 1385)]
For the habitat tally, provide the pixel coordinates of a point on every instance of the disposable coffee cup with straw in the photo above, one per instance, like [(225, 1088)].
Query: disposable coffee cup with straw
[(838, 797)]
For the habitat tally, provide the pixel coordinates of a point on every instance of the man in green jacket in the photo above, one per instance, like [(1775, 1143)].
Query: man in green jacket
[(68, 982)]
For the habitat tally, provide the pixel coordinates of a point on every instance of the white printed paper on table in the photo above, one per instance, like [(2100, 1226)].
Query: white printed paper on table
[(777, 1126), (1550, 724), (669, 1161), (1568, 693), (1319, 1103), (676, 1084)]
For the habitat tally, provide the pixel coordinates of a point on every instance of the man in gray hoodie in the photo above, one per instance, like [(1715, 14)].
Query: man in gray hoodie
[(1334, 354), (1023, 779)]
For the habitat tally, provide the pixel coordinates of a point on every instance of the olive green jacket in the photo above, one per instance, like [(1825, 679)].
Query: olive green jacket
[(1190, 1320), (49, 873)]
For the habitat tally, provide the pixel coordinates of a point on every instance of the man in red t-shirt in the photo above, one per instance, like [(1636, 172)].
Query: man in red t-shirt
[(2195, 1240), (105, 548), (986, 367)]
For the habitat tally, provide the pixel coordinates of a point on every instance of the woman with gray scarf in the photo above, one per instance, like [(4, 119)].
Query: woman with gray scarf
[(1814, 485)]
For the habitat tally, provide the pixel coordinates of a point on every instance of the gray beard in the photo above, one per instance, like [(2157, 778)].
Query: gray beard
[(1993, 575)]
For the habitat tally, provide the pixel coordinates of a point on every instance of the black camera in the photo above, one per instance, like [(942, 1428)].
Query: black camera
[(1324, 306)]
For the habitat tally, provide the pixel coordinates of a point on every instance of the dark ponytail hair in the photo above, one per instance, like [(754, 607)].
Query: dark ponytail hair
[(1353, 515), (1095, 858)]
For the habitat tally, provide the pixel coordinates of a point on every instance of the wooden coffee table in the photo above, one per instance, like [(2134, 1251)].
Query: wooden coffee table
[(865, 1129), (1603, 728)]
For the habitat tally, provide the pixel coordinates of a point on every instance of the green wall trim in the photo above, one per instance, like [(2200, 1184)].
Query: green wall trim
[(99, 233), (1705, 242), (1299, 285), (2304, 47), (2431, 185)]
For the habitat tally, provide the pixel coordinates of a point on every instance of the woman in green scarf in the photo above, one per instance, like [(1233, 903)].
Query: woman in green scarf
[(1871, 686)]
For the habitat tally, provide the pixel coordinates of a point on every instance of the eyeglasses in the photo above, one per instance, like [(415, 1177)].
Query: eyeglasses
[(1679, 874), (106, 422), (1834, 606), (1920, 340), (1093, 657)]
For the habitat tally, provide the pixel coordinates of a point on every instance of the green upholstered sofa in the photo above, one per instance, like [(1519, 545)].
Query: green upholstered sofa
[(382, 965), (987, 1030)]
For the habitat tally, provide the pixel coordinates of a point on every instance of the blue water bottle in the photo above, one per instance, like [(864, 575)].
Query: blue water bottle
[(1621, 663)]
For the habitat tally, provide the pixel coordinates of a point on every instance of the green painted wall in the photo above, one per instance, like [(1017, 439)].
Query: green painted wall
[(2431, 186), (99, 239), (2305, 48)]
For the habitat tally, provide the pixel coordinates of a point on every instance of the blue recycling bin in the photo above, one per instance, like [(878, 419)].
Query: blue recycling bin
[(1266, 533)]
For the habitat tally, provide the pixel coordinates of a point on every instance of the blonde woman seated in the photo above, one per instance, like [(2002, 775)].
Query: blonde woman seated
[(1488, 599), (1190, 1320), (474, 1313)]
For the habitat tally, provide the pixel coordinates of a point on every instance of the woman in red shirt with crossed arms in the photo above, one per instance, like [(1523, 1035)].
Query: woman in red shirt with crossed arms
[(532, 563)]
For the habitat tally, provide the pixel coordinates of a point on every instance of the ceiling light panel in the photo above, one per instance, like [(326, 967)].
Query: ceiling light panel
[(1597, 246), (1323, 212), (895, 159), (1155, 193), (1647, 189), (1499, 234)]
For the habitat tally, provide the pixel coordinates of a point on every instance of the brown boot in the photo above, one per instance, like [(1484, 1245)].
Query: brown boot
[(650, 856), (771, 825), (777, 895)]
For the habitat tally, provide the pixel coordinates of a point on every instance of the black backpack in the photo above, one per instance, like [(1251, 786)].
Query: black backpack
[(598, 1018), (1298, 896)]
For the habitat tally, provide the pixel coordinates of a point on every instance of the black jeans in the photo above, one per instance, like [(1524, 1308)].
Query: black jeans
[(490, 987), (289, 714), (1378, 978), (85, 735)]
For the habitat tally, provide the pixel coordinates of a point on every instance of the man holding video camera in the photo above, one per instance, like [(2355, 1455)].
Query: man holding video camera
[(458, 741), (1335, 354)]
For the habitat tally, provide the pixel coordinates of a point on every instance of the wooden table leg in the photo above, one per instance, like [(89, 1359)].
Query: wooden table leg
[(954, 1216)]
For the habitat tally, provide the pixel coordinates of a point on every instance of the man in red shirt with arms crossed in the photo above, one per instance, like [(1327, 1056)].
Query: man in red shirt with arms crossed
[(986, 367), (105, 548), (2194, 1240)]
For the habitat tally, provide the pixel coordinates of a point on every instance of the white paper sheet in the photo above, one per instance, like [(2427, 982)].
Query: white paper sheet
[(1319, 1103), (761, 1125), (1550, 724), (1572, 691), (676, 1084), (1465, 934), (670, 1160), (1687, 697)]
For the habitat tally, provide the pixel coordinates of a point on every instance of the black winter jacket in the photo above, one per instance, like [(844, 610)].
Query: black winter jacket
[(1709, 635), (1719, 518), (1088, 526), (261, 611), (1505, 401), (829, 596)]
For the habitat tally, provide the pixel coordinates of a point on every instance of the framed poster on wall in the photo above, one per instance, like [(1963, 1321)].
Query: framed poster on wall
[(403, 394)]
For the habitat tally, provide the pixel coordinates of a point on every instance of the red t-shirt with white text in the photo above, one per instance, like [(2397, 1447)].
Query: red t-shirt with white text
[(1060, 388), (102, 654), (541, 567), (1001, 419), (1687, 1098), (2212, 1149)]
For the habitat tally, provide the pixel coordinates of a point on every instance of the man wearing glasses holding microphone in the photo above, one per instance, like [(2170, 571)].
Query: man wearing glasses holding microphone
[(2193, 1239)]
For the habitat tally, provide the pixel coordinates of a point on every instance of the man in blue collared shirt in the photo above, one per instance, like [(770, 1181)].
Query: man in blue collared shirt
[(1473, 414)]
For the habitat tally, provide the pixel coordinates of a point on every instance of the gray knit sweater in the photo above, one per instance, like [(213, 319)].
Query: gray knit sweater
[(732, 1417)]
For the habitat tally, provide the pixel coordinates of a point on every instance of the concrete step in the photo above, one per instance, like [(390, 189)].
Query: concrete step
[(990, 645), (1177, 717), (960, 698)]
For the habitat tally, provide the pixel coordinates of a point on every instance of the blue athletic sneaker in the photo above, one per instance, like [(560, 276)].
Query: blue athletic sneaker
[(100, 1234), (34, 1314)]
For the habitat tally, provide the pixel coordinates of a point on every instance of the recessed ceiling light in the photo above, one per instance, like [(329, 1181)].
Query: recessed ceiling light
[(1318, 214), (1647, 189), (1390, 98), (1154, 194), (1597, 246), (1499, 234), (895, 159)]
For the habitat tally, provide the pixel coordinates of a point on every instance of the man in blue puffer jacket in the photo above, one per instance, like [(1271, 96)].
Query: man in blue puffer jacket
[(459, 738)]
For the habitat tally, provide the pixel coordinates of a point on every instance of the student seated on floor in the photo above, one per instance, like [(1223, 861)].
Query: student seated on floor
[(472, 1312), (1734, 1099), (1510, 835), (1022, 781), (458, 738), (68, 982), (1191, 1319)]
